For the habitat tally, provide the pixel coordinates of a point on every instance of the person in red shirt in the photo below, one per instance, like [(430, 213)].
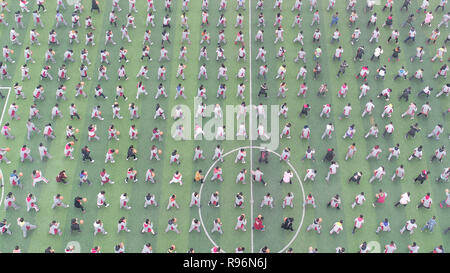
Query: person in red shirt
[(380, 198), (258, 225)]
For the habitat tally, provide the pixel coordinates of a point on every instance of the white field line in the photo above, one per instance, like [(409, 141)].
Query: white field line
[(250, 39), (1, 123)]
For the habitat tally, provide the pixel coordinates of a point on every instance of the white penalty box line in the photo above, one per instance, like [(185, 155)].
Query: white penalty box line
[(1, 124)]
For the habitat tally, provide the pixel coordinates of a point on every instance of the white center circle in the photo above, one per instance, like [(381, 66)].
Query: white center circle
[(251, 148)]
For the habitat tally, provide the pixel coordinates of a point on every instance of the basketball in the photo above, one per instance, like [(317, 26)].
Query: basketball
[(117, 151), (159, 152), (12, 51), (20, 174), (8, 149), (81, 222), (77, 130), (61, 197), (117, 133), (320, 220), (161, 133), (85, 199), (245, 171), (99, 112), (134, 151), (63, 88), (72, 143)]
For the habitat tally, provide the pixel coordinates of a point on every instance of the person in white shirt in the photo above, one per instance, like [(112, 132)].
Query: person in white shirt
[(410, 225), (378, 174), (394, 151), (413, 248), (404, 199), (399, 172), (359, 200)]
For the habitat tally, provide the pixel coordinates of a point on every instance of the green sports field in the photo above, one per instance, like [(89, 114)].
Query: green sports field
[(274, 237)]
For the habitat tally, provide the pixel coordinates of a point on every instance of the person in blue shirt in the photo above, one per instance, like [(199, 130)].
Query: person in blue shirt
[(430, 224), (334, 19), (14, 179)]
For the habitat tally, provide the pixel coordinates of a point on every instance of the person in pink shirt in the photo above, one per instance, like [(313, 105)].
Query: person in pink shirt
[(379, 198), (428, 18)]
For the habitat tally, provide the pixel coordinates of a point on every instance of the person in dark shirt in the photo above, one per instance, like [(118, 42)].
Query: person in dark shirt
[(356, 177), (413, 129), (74, 225), (95, 6), (405, 5), (329, 155), (49, 250), (359, 53), (405, 94), (263, 90), (78, 203), (264, 157), (342, 68), (131, 152), (395, 52), (62, 176), (422, 176), (306, 108), (86, 154)]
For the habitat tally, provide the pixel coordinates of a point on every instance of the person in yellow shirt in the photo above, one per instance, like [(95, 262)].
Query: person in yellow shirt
[(199, 177)]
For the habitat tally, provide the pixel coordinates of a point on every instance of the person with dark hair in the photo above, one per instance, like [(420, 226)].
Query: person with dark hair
[(287, 223), (86, 154), (263, 90), (430, 224), (199, 177), (49, 250), (264, 157), (356, 177), (95, 6), (62, 176), (258, 224), (405, 5), (359, 53), (413, 129), (78, 203), (359, 221), (335, 202), (422, 177), (329, 155), (4, 227), (405, 93), (306, 108), (75, 225), (131, 152)]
